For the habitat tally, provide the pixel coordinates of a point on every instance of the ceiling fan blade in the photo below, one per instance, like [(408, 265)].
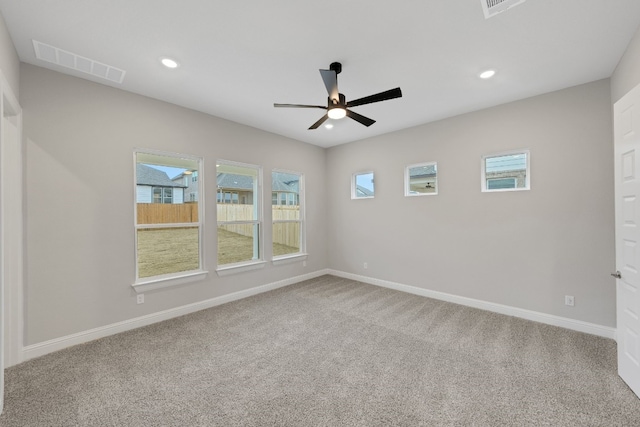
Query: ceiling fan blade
[(319, 122), (382, 96), (360, 118), (298, 106), (330, 79)]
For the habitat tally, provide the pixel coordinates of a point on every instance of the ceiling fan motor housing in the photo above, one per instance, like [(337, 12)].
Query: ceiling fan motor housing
[(341, 102)]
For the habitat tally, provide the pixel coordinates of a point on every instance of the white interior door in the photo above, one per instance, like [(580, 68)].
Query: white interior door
[(627, 197)]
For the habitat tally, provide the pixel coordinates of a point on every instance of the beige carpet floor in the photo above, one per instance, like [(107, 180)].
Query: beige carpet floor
[(328, 352)]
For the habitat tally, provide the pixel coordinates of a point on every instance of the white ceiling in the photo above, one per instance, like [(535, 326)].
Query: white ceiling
[(239, 57)]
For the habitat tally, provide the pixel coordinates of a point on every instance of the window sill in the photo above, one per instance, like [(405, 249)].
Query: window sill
[(503, 190), (239, 268), (287, 259), (159, 282)]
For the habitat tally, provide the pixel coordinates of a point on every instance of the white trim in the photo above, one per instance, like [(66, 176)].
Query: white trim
[(527, 176), (288, 259), (258, 209), (301, 210), (46, 347), (548, 319), (354, 185), (407, 179), (228, 269), (164, 281), (11, 217)]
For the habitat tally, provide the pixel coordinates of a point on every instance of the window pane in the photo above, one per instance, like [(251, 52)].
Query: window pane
[(286, 238), (237, 243), (157, 178), (423, 179), (167, 250), (162, 188), (363, 185), (493, 184), (238, 184), (168, 195), (507, 171)]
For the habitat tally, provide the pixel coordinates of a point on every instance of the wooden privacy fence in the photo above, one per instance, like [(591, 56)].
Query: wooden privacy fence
[(165, 213), (283, 233)]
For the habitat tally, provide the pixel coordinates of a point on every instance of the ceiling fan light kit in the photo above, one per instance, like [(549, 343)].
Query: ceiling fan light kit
[(337, 105)]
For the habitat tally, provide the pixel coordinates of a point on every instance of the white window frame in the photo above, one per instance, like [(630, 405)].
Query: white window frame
[(172, 279), (354, 193), (302, 253), (407, 179), (483, 176), (226, 269)]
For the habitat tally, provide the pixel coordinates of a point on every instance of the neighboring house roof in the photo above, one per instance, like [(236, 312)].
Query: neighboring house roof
[(146, 175), (422, 171), (238, 182), (279, 182), (364, 191)]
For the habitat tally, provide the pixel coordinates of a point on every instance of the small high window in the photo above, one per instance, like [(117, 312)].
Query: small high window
[(421, 179), (506, 171), (362, 185)]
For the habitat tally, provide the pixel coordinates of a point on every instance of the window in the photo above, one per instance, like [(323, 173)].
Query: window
[(287, 213), (168, 231), (163, 194), (227, 196), (239, 213), (284, 198), (506, 171), (421, 179), (362, 185)]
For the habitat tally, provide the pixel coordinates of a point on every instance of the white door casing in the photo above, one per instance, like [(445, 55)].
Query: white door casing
[(11, 232), (627, 227)]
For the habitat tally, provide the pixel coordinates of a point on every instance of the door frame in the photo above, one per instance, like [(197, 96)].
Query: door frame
[(11, 232)]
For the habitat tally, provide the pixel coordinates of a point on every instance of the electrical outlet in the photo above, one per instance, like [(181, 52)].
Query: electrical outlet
[(366, 265), (140, 299), (568, 300), (304, 263)]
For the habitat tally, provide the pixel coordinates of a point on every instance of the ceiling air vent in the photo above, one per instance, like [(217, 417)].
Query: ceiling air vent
[(70, 60), (494, 7)]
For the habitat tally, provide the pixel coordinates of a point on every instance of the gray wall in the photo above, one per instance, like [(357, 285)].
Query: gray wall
[(524, 249), (627, 74), (9, 62), (79, 140)]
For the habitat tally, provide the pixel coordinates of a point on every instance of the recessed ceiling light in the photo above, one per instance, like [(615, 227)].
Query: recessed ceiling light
[(487, 74), (169, 63), (329, 126)]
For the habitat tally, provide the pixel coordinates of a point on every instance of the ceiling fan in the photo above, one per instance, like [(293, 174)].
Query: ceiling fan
[(337, 105)]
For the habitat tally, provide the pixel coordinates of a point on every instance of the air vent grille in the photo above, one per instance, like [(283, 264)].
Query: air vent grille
[(70, 60), (494, 7)]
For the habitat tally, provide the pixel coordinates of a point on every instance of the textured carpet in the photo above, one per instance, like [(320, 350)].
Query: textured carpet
[(328, 352)]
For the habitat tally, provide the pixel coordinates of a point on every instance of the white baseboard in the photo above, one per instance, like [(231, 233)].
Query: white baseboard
[(46, 347), (549, 319)]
